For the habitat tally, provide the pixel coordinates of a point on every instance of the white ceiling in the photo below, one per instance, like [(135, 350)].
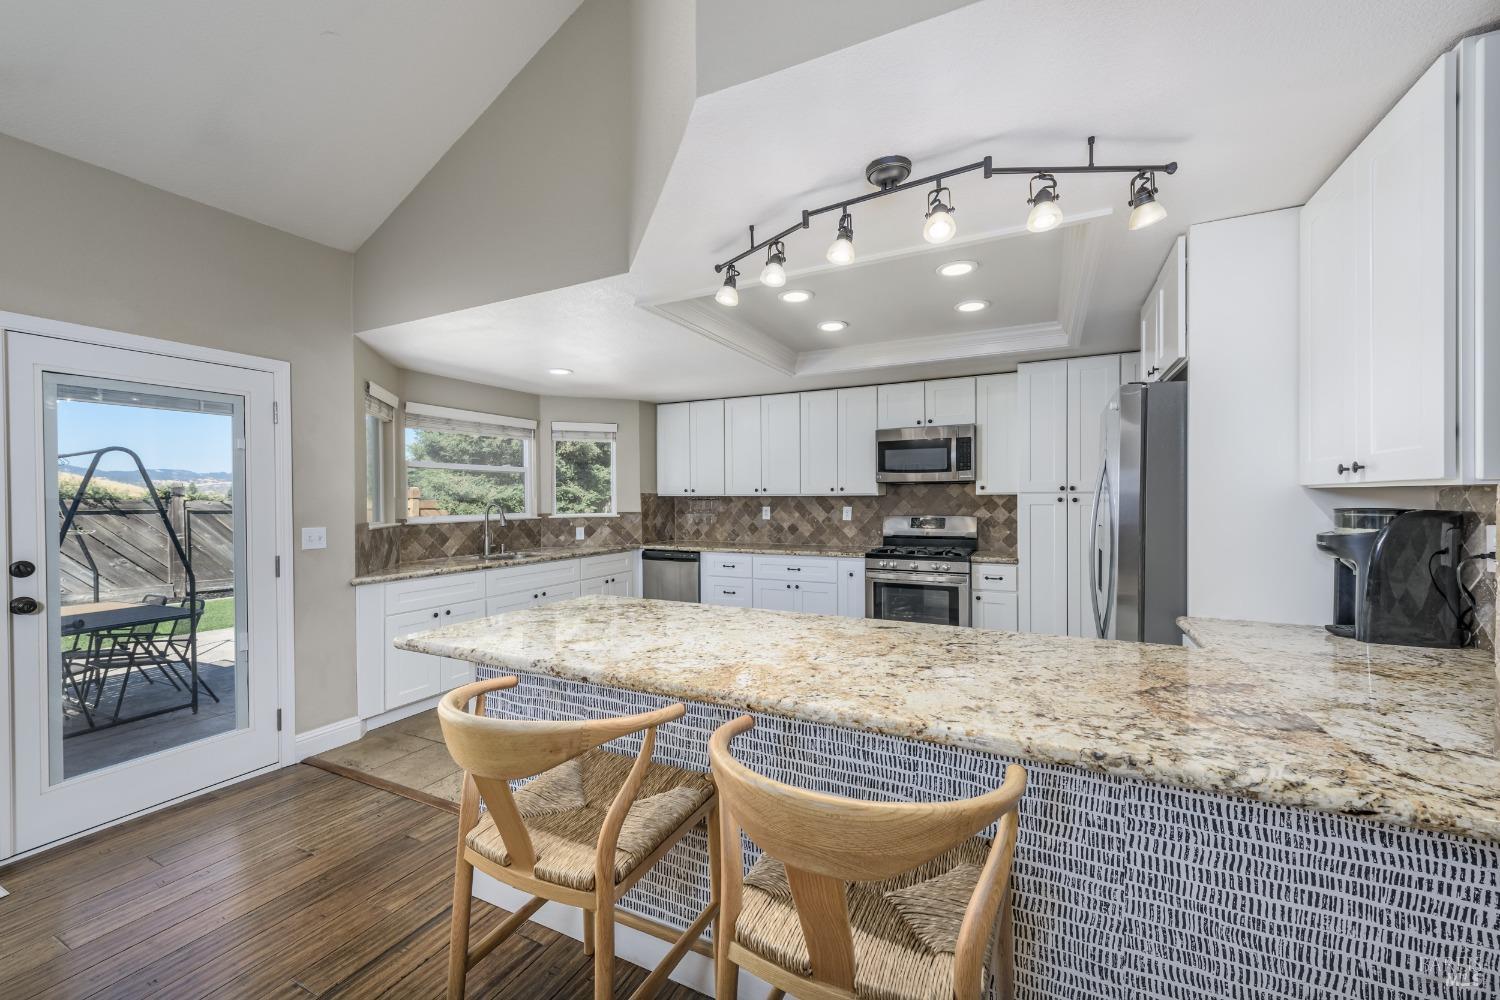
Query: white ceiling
[(313, 116), (1258, 102)]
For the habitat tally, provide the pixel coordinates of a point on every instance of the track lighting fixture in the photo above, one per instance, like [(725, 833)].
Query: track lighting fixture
[(841, 250), (728, 295), (939, 227), (1145, 210), (889, 175), (1044, 214), (773, 275)]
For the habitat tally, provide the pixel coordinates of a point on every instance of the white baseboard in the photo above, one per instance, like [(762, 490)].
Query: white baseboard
[(695, 971), (404, 712), (325, 738)]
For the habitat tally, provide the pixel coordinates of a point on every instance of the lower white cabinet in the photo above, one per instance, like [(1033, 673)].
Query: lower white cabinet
[(412, 676), (995, 610), (812, 598), (813, 584), (610, 586), (852, 588), (1042, 530), (729, 592), (1080, 579)]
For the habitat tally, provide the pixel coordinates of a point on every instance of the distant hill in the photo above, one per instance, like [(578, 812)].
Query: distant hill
[(158, 476)]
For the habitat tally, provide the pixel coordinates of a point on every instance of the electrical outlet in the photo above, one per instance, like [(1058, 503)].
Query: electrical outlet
[(1489, 546), (578, 533), (315, 538), (765, 513), (848, 513)]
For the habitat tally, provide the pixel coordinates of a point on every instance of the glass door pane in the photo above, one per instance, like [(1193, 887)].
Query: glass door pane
[(146, 630)]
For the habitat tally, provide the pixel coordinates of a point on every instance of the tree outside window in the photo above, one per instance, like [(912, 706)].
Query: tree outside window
[(458, 467), (583, 468)]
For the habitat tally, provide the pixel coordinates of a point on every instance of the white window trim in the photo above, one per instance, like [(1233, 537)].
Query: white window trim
[(529, 449), (614, 465), (448, 412), (384, 395)]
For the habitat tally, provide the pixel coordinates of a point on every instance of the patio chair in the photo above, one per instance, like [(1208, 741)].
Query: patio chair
[(174, 648)]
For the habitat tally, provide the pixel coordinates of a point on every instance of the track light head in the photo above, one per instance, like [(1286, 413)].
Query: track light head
[(728, 295), (939, 226), (841, 250), (773, 275), (1145, 210), (1045, 213)]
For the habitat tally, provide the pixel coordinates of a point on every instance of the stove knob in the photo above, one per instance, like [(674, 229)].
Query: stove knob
[(943, 568)]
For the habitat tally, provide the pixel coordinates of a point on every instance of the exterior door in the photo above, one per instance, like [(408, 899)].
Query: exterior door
[(144, 641)]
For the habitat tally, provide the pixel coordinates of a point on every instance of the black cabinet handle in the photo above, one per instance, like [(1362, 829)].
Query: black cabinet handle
[(1075, 499), (1072, 487), (794, 569), (535, 596), (796, 586), (434, 614), (1343, 468), (1059, 499), (978, 598), (1356, 467), (448, 612)]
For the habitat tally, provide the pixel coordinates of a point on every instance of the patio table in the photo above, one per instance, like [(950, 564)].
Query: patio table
[(91, 620)]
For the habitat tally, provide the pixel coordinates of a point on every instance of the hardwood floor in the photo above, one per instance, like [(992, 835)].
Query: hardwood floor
[(298, 884)]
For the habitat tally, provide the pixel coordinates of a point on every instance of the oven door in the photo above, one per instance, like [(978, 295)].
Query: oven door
[(923, 598)]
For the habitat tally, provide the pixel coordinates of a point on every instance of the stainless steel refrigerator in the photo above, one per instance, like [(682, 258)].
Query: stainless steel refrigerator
[(1138, 540)]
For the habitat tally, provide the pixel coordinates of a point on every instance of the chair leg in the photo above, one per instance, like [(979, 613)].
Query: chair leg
[(604, 947), (458, 944), (1005, 954), (588, 932)]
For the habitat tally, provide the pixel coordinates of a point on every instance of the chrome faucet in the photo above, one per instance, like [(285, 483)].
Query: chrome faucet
[(492, 505)]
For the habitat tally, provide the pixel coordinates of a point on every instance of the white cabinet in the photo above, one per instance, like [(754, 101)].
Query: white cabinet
[(1092, 382), (820, 441), (915, 404), (995, 610), (1164, 318), (607, 586), (727, 592), (856, 443), (775, 595), (811, 598), (743, 452), (1130, 368), (998, 429), (673, 449), (1042, 535), (781, 444), (412, 676), (1042, 408), (851, 588), (1379, 306), (1080, 577)]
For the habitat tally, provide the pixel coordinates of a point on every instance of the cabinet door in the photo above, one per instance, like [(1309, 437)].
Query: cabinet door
[(1080, 601), (742, 446), (557, 592), (673, 449), (1042, 408), (1330, 305), (1130, 367), (852, 588), (996, 611), (623, 585), (997, 427), (453, 672), (820, 441), (950, 401), (1152, 334), (1405, 348), (1172, 282), (901, 405), (706, 467), (510, 601), (773, 595), (817, 598), (1042, 529), (595, 587), (410, 676), (1092, 382), (729, 592), (781, 445), (856, 445)]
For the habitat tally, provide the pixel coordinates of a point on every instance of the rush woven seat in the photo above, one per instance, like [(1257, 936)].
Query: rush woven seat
[(905, 929), (564, 810)]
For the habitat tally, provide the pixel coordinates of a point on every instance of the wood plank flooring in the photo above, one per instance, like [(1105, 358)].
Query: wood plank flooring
[(295, 885)]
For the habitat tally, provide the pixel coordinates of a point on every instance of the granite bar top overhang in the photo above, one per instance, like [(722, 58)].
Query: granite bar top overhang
[(1280, 714)]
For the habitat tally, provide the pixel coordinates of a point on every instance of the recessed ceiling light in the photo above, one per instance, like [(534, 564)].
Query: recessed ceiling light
[(972, 305), (957, 268), (795, 295), (559, 371), (832, 325)]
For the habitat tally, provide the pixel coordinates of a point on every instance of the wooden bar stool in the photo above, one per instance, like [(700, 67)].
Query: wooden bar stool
[(590, 824), (867, 900)]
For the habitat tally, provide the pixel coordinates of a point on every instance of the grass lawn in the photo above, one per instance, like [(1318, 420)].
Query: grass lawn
[(218, 613)]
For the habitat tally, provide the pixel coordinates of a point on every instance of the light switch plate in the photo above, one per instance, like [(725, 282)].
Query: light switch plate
[(848, 513), (315, 538), (578, 533), (765, 513)]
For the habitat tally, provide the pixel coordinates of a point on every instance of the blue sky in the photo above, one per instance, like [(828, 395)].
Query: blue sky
[(165, 439)]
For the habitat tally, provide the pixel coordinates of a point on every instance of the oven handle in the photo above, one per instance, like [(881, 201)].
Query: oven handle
[(940, 579)]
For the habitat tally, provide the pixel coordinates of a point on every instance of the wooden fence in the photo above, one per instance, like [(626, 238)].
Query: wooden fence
[(121, 550)]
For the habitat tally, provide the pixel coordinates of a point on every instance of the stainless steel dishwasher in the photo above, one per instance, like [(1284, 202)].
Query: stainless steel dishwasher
[(670, 576)]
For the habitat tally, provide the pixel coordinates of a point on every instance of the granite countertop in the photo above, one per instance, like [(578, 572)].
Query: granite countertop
[(470, 563), (763, 549), (994, 556), (1281, 714)]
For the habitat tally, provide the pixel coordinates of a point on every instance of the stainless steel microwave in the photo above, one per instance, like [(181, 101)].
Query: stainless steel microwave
[(925, 454)]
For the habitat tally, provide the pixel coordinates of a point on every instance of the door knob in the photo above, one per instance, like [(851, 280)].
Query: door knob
[(21, 568), (24, 606)]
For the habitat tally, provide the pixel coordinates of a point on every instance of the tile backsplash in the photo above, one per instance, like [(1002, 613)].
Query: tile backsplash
[(378, 549), (1479, 503)]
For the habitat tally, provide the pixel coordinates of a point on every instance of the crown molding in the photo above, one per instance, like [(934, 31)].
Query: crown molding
[(926, 350)]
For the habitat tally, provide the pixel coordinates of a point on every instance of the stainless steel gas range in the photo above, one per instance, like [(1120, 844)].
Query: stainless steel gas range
[(920, 572)]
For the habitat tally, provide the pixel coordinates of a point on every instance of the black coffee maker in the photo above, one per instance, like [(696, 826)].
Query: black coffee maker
[(1396, 575)]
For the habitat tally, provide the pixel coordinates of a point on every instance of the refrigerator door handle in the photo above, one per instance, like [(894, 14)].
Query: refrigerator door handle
[(1101, 621)]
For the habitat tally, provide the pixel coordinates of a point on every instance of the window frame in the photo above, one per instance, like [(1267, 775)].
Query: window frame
[(385, 501), (501, 424), (614, 465)]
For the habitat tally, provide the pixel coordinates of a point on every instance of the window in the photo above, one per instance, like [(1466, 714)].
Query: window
[(458, 462), (380, 423), (583, 468)]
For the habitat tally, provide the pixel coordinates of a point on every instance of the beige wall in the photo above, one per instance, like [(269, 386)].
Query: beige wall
[(648, 447), (84, 245), (371, 367), (625, 413)]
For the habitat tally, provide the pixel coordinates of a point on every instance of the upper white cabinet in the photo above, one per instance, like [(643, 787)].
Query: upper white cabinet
[(1042, 439), (690, 448), (856, 408), (820, 441), (998, 429), (1379, 301), (916, 404), (1091, 384), (762, 445), (1164, 318), (673, 448), (743, 453)]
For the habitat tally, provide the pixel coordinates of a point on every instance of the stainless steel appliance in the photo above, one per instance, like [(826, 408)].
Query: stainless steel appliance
[(1396, 576), (925, 454), (1138, 537), (920, 572), (669, 576)]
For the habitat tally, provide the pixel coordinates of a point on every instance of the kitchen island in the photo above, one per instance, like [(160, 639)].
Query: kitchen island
[(1277, 813)]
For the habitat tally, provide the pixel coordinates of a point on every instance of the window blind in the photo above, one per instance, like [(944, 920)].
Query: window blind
[(422, 416), (379, 402), (562, 431)]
